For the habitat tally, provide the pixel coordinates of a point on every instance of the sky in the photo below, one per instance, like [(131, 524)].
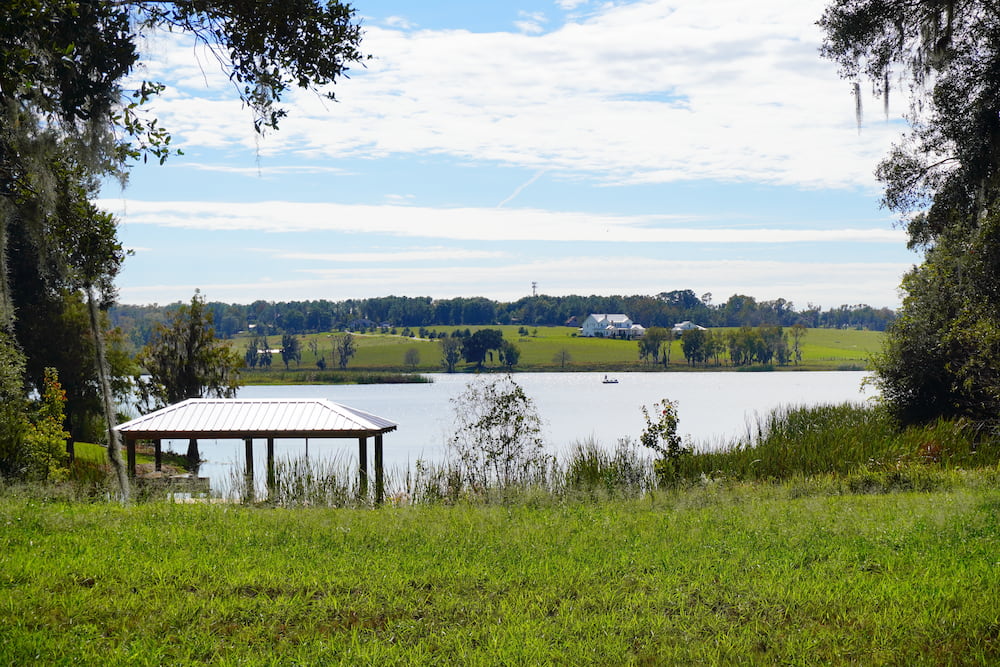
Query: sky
[(498, 148)]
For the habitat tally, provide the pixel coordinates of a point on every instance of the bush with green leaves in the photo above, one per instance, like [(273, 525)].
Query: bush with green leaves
[(12, 405), (32, 437), (497, 439), (660, 435), (45, 437)]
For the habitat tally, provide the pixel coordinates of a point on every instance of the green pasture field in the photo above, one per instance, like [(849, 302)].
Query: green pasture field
[(718, 574), (822, 349), (97, 455)]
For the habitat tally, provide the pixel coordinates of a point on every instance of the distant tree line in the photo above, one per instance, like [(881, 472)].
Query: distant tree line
[(660, 310), (744, 346)]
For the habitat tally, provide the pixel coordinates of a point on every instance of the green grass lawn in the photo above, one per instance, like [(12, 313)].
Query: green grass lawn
[(97, 455), (823, 349), (832, 539), (711, 575), (823, 346)]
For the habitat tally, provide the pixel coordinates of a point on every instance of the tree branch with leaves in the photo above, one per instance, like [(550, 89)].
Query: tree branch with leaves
[(943, 179), (184, 360)]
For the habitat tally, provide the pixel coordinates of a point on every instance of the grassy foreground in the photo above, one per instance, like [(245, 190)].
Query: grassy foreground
[(733, 573)]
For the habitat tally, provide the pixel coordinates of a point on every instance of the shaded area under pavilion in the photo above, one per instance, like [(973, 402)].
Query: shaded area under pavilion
[(248, 419)]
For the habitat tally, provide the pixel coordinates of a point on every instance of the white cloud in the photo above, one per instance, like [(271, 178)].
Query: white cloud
[(260, 171), (529, 27), (642, 92), (622, 93), (399, 199), (531, 23), (391, 256), (399, 22), (824, 284), (466, 224)]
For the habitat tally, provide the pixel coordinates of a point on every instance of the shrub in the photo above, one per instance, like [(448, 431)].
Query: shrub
[(35, 449), (660, 435), (497, 434)]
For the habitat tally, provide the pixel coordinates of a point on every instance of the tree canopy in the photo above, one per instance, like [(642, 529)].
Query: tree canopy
[(943, 173), (943, 179), (185, 361), (73, 110), (478, 345)]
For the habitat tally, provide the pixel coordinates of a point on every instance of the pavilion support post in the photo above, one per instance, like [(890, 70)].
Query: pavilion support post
[(363, 468), (193, 455), (130, 456), (379, 472), (248, 443), (270, 467), (158, 455)]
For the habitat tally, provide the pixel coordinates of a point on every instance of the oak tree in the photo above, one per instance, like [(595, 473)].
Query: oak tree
[(184, 360), (344, 348), (451, 352), (943, 179), (68, 119)]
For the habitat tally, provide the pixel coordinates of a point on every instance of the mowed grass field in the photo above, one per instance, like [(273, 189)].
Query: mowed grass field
[(822, 349), (710, 575)]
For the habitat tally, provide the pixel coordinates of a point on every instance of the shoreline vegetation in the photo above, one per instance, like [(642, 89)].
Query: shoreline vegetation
[(394, 356), (824, 535)]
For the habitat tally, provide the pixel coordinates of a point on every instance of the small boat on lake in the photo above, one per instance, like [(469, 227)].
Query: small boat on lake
[(608, 380)]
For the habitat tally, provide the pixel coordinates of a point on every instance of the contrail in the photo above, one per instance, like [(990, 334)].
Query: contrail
[(521, 187)]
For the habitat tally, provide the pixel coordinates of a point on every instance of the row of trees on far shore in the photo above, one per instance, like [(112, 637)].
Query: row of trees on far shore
[(745, 346), (661, 310)]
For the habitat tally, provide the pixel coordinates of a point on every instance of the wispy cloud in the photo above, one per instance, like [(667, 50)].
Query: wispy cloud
[(640, 92), (392, 256), (531, 23), (799, 282), (519, 189), (654, 122), (468, 224), (399, 22), (263, 170)]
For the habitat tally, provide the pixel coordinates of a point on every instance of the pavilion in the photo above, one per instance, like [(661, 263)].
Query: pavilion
[(270, 418)]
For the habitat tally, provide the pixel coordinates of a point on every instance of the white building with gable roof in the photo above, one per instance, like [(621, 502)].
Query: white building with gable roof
[(605, 325)]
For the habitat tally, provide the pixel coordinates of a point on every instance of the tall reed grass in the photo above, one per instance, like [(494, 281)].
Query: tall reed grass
[(589, 470), (846, 448), (839, 439)]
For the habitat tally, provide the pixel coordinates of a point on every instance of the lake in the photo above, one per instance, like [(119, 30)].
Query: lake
[(714, 407)]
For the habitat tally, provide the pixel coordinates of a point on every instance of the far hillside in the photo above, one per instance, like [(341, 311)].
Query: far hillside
[(549, 349), (410, 314)]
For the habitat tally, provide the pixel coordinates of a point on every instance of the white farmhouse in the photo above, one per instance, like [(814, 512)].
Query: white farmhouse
[(686, 325), (605, 325)]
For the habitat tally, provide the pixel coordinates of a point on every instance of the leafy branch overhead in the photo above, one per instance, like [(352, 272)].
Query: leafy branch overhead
[(947, 53), (943, 179), (72, 113), (266, 48)]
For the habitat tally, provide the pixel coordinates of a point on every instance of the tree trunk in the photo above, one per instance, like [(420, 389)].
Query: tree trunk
[(114, 444), (6, 304)]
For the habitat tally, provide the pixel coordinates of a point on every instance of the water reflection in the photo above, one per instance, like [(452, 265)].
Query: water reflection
[(714, 407)]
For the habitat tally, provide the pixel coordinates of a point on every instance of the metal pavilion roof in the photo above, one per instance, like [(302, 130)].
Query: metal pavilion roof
[(240, 418)]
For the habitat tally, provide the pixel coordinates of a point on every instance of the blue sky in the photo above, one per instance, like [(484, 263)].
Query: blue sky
[(589, 147)]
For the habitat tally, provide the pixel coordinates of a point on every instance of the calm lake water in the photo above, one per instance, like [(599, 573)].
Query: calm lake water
[(714, 408)]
